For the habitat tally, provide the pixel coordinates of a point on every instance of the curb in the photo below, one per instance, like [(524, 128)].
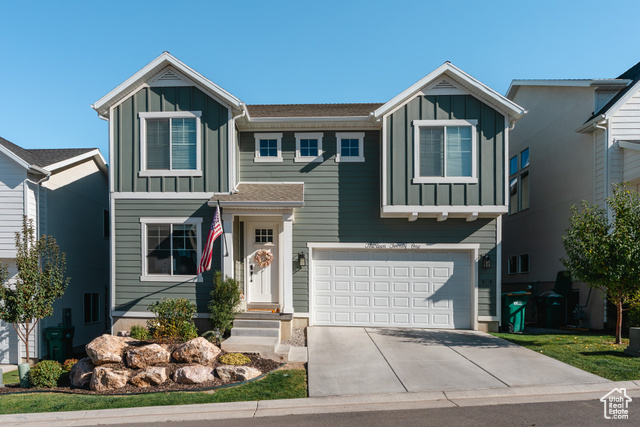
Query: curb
[(324, 405)]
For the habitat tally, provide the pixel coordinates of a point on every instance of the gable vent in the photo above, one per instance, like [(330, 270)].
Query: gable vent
[(169, 75), (444, 84)]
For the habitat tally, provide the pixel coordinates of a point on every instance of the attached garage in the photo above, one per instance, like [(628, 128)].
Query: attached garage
[(413, 285)]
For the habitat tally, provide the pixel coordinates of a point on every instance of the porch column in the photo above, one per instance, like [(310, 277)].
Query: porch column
[(227, 251), (287, 276)]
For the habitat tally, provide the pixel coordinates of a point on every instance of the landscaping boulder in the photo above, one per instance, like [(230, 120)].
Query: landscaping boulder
[(154, 375), (107, 349), (229, 373), (198, 350), (80, 374), (108, 379), (148, 355), (193, 374)]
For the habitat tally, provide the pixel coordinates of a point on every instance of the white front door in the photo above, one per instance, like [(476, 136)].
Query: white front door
[(262, 280)]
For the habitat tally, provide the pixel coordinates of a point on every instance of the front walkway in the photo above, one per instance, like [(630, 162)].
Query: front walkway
[(345, 361)]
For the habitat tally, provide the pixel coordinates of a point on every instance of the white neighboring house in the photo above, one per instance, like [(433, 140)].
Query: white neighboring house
[(578, 138), (65, 192)]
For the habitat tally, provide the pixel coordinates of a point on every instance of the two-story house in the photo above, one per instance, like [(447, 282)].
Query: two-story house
[(579, 137), (65, 193), (374, 214)]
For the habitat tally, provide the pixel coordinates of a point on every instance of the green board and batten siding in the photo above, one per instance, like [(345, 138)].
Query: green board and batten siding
[(126, 141), (489, 190), (131, 293), (342, 204)]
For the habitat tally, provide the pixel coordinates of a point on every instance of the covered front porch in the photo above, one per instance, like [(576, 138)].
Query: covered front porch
[(257, 220)]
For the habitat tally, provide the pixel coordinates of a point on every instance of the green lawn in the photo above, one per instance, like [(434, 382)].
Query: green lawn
[(593, 353), (10, 377), (285, 384)]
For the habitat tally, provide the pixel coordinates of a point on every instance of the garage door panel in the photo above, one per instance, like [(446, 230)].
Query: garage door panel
[(418, 288)]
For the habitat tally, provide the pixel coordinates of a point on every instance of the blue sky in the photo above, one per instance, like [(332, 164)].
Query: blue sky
[(57, 58)]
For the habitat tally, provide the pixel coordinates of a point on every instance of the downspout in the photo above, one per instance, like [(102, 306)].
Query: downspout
[(233, 129), (606, 191)]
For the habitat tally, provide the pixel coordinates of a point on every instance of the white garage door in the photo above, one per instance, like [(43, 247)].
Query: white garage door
[(397, 288)]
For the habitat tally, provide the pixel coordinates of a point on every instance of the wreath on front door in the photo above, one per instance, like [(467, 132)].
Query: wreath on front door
[(263, 258)]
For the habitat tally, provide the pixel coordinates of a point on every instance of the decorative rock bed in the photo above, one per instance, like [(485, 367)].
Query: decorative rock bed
[(118, 365), (115, 362)]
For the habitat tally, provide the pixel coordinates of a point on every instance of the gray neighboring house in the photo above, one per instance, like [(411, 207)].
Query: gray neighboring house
[(375, 214), (578, 137), (65, 193)]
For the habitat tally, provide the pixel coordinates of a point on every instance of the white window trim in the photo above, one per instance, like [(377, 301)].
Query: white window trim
[(520, 270), (144, 277), (417, 179), (144, 116), (309, 159), (267, 159), (350, 135)]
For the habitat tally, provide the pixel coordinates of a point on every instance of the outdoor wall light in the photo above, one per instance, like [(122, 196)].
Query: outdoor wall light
[(302, 259), (486, 262)]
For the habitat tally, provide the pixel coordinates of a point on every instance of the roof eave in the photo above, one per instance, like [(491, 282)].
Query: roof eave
[(591, 124), (103, 104), (513, 110), (95, 154)]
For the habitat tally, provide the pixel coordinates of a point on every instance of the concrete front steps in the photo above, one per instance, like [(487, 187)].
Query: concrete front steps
[(260, 333)]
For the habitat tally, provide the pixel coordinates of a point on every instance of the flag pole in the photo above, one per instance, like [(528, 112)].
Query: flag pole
[(224, 235)]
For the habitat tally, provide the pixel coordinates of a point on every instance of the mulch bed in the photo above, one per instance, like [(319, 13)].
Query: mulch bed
[(264, 365)]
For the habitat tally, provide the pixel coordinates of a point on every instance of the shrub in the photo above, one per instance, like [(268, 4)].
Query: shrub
[(234, 359), (173, 319), (139, 333), (68, 364), (225, 298), (45, 374)]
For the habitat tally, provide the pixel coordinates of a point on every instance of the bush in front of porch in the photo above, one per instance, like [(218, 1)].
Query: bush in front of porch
[(223, 306)]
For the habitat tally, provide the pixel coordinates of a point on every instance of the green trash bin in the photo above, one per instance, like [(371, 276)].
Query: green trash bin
[(554, 308), (513, 310), (60, 340)]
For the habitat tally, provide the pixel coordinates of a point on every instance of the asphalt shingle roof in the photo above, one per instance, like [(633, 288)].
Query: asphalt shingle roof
[(632, 74), (312, 110), (265, 192), (42, 157)]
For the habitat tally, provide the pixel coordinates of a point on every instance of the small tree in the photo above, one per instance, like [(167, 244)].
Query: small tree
[(39, 283), (605, 252), (225, 298)]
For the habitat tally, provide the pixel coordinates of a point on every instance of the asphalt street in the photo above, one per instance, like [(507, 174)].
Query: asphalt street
[(581, 413)]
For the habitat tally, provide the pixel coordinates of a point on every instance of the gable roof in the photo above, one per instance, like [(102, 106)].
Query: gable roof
[(632, 74), (312, 110), (474, 86), (46, 160), (154, 68)]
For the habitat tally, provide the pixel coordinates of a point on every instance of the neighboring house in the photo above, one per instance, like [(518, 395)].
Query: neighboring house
[(578, 138), (376, 214), (65, 193)]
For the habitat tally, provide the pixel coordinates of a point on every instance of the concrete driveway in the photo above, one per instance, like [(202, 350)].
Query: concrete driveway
[(345, 361)]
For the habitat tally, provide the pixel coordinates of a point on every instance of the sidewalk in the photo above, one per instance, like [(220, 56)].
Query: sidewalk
[(323, 405)]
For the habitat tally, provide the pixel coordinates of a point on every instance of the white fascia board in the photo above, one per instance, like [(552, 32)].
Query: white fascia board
[(103, 104), (473, 84), (130, 195), (629, 145), (590, 126), (102, 164), (13, 156), (256, 204), (449, 211)]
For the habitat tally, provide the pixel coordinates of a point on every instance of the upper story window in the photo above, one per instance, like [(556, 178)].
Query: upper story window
[(444, 151), (170, 143), (519, 182), (350, 147), (308, 147), (171, 248), (268, 147)]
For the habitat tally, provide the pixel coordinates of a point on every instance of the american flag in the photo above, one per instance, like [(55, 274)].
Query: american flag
[(214, 232)]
